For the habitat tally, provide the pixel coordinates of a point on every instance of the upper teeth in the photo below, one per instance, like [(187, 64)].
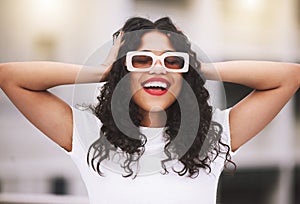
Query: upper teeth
[(156, 84)]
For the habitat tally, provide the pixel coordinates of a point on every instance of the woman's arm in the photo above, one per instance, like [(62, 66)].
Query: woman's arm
[(273, 83), (40, 76), (26, 84)]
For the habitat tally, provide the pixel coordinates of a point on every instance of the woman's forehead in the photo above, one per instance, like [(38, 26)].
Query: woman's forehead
[(155, 41)]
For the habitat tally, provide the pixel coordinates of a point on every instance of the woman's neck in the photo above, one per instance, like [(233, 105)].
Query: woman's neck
[(154, 118)]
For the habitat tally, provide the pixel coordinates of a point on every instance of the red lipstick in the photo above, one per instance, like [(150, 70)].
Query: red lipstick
[(156, 86)]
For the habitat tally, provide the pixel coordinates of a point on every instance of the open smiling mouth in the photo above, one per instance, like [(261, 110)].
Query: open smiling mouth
[(156, 87)]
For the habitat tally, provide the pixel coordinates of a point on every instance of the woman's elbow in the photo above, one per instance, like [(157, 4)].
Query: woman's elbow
[(296, 74), (5, 73), (1, 74), (292, 76)]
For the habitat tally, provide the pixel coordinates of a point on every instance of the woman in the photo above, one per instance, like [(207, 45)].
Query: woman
[(153, 137)]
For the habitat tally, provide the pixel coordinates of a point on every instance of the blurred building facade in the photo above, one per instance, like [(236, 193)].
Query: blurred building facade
[(71, 31)]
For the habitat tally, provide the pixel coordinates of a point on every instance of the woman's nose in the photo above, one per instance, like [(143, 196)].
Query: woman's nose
[(158, 68)]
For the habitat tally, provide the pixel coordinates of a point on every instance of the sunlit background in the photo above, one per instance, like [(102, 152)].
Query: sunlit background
[(71, 30)]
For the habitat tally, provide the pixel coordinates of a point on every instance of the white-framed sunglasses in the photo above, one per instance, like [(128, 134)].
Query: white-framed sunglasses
[(143, 61)]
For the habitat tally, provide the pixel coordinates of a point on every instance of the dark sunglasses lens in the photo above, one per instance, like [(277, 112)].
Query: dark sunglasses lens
[(174, 62), (142, 61)]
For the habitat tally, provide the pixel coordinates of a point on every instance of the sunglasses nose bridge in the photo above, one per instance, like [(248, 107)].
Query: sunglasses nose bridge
[(158, 62), (158, 67)]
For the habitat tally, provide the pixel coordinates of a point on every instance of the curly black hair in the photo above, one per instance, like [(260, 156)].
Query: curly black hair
[(205, 134)]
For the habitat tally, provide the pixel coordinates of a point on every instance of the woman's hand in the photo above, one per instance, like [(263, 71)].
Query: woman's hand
[(112, 57)]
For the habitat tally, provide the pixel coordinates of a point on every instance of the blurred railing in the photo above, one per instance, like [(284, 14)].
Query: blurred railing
[(11, 198)]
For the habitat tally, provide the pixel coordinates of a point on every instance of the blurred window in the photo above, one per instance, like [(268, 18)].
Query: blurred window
[(248, 186)]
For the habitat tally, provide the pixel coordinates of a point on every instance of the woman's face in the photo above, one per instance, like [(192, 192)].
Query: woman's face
[(157, 89)]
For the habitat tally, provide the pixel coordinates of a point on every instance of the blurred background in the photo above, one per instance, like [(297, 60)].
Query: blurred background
[(71, 30)]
